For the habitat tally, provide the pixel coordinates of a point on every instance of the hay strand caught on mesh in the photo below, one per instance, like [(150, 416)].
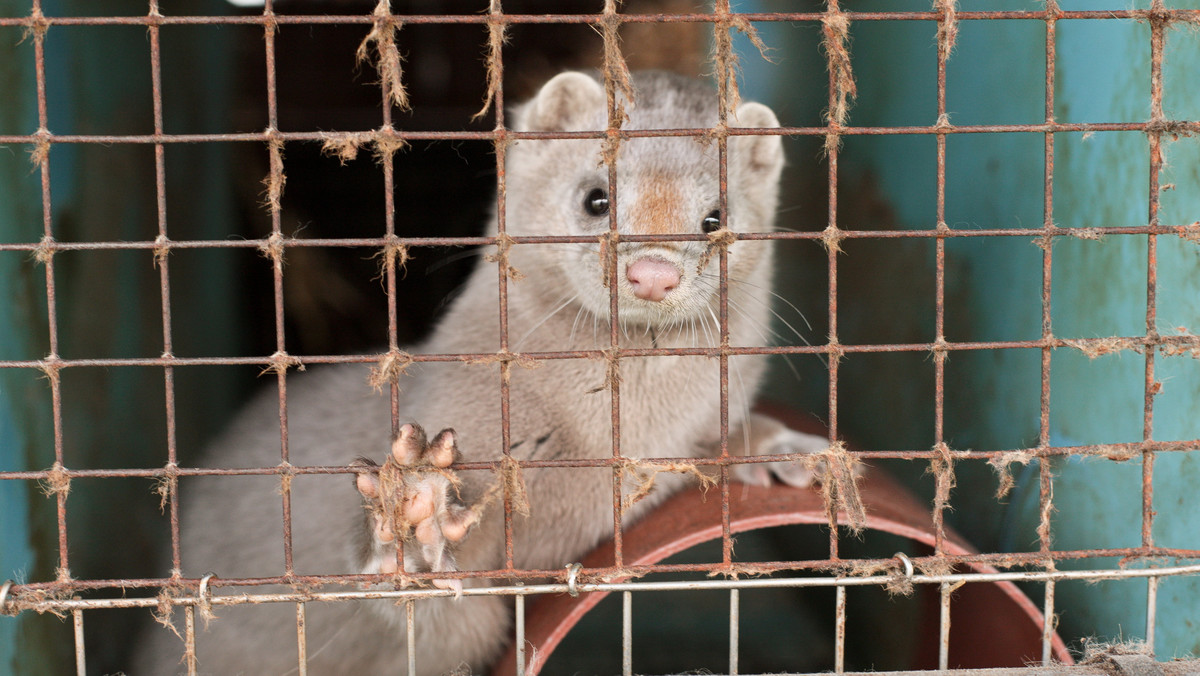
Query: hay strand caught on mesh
[(1190, 232), (166, 485), (504, 244), (40, 153), (391, 366), (513, 481), (617, 79), (724, 57), (393, 256), (1001, 464), (162, 249), (831, 239), (942, 468), (45, 250), (718, 239), (1098, 347), (384, 143), (274, 181), (1186, 343), (279, 362), (493, 59), (57, 481), (947, 31), (644, 474), (835, 42), (506, 359), (612, 372), (838, 472), (386, 57)]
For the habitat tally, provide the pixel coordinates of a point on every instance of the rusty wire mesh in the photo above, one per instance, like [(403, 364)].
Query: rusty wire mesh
[(387, 139)]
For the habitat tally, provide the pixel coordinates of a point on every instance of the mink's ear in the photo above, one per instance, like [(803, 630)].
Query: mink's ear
[(763, 154), (570, 101)]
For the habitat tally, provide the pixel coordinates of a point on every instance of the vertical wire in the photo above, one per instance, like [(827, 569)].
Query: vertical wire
[(80, 654), (1048, 623), (626, 633), (161, 260), (503, 268), (834, 350), (722, 9), (390, 276), (613, 370), (942, 468), (389, 232), (1151, 609), (734, 621), (944, 628), (410, 636), (839, 642), (189, 623), (301, 640), (520, 637), (1047, 326), (274, 145), (1157, 45), (52, 358)]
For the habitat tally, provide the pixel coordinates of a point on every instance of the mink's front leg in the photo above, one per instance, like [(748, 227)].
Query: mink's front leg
[(413, 506)]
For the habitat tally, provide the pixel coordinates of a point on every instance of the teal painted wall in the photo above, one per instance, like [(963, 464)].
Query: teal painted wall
[(98, 81), (25, 529), (993, 285)]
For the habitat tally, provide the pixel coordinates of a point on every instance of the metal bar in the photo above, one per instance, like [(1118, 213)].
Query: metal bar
[(613, 362), (80, 654), (1048, 226), (301, 640), (275, 189), (734, 621), (410, 636), (169, 486), (834, 352), (189, 640), (1049, 620), (1151, 610), (17, 602), (1114, 451), (520, 638), (627, 633), (38, 28), (594, 19), (721, 8), (942, 467), (1098, 232), (1128, 343), (1030, 558), (1151, 386), (623, 134), (839, 639), (503, 269), (944, 628)]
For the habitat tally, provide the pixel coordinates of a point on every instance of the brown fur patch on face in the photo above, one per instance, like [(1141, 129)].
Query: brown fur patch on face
[(658, 211)]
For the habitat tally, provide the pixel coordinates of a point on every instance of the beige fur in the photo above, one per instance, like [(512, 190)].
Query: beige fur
[(669, 406)]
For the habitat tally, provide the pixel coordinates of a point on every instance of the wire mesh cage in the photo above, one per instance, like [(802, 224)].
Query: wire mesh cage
[(979, 203)]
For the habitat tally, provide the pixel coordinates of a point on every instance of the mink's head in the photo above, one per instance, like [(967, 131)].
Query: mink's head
[(664, 186)]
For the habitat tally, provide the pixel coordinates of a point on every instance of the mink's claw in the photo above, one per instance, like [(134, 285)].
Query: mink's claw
[(414, 514)]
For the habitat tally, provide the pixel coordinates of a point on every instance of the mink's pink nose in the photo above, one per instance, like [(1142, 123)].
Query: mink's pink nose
[(652, 278)]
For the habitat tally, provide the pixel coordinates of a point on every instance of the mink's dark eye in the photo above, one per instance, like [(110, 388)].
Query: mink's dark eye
[(596, 202), (712, 222)]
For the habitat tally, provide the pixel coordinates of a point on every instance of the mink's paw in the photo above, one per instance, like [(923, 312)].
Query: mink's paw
[(413, 505), (784, 441)]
